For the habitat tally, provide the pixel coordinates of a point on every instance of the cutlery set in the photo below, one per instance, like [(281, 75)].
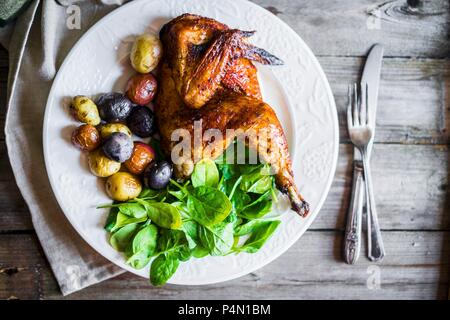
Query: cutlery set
[(361, 116)]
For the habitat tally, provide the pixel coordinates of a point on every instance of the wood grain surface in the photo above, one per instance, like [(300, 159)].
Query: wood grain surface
[(410, 171)]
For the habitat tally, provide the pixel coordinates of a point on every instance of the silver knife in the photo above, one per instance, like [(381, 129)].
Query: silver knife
[(371, 76)]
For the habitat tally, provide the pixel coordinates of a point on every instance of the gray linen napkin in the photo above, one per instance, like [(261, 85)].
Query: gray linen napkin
[(37, 43)]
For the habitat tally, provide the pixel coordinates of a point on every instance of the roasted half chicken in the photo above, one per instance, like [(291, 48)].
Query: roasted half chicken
[(207, 81)]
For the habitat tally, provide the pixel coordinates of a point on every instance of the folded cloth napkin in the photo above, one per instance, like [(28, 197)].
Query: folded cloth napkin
[(37, 44)]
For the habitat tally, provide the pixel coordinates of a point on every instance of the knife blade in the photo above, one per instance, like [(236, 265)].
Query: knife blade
[(371, 76)]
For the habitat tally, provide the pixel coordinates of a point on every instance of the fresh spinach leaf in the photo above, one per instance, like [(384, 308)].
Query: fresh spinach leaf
[(228, 171), (143, 246), (208, 206), (258, 208), (148, 194), (246, 169), (123, 220), (174, 242), (217, 239), (235, 185), (178, 194), (199, 252), (182, 208), (135, 210), (132, 209), (240, 200), (205, 174), (139, 260), (163, 214), (111, 220), (257, 181), (251, 226), (232, 218), (121, 238), (190, 228), (163, 268), (226, 186), (258, 237)]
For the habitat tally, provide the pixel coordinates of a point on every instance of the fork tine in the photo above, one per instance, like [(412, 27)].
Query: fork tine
[(355, 105), (349, 108)]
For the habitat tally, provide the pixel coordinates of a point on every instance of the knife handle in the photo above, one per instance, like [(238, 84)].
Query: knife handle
[(352, 240), (375, 244)]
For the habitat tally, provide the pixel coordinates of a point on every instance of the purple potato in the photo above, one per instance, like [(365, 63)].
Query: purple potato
[(114, 107), (118, 147), (141, 121), (157, 175)]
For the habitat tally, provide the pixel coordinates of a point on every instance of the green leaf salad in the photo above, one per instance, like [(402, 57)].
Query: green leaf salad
[(220, 210)]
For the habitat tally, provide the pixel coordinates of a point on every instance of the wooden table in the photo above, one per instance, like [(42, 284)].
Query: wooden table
[(410, 169)]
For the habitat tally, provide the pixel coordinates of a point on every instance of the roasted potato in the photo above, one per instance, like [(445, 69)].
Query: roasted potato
[(141, 88), (142, 155), (118, 147), (141, 122), (85, 110), (123, 186), (114, 107), (101, 165), (107, 129), (86, 137), (146, 53), (157, 175)]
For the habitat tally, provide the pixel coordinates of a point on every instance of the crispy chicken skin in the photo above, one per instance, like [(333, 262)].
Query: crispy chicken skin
[(207, 75)]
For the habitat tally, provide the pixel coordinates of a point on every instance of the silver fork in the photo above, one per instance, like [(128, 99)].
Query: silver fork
[(361, 135)]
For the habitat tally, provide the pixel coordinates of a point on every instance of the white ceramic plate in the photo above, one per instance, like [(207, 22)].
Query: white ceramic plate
[(298, 92)]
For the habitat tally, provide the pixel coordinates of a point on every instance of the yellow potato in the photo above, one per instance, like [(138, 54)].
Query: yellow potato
[(102, 166), (123, 186), (85, 110), (146, 53), (109, 128)]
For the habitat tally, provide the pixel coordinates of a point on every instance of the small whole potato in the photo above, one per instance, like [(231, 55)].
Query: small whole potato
[(101, 165), (114, 106), (142, 155), (141, 88), (141, 121), (123, 186), (157, 175), (146, 53), (86, 137), (107, 129), (85, 110), (118, 147)]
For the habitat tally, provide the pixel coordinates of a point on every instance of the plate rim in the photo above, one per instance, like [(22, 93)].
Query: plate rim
[(310, 218)]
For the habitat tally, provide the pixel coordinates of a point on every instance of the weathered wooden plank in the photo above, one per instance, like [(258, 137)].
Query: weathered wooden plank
[(410, 181), (22, 264), (350, 27), (416, 28), (414, 100), (416, 266), (14, 213)]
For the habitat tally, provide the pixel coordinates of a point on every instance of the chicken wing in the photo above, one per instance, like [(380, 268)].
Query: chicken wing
[(207, 79)]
